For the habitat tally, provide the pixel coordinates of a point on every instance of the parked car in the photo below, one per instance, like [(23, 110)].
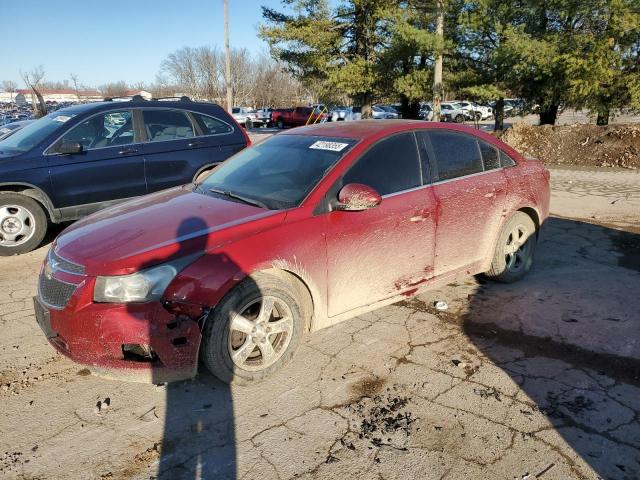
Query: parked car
[(10, 128), (473, 111), (244, 116), (263, 117), (426, 113), (345, 114), (452, 112), (392, 110), (379, 113), (80, 159), (296, 117), (306, 229)]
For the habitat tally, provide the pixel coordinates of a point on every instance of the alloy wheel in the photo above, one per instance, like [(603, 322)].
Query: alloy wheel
[(517, 248), (260, 333), (17, 225)]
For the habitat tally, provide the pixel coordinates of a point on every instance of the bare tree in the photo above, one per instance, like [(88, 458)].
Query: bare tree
[(227, 58), (33, 80), (76, 87), (114, 89), (9, 86)]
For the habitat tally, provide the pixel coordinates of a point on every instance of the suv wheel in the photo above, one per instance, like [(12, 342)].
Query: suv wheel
[(459, 118), (254, 331), (248, 123), (23, 224), (513, 256)]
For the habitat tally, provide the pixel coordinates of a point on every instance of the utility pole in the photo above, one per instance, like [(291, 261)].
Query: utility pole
[(437, 70), (227, 57)]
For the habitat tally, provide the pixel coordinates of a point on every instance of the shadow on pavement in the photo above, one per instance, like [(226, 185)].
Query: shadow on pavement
[(198, 441), (568, 335)]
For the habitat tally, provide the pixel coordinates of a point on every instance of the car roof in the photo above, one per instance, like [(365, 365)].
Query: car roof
[(118, 105), (365, 129)]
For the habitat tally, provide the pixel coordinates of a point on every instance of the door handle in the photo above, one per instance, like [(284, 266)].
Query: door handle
[(127, 151), (195, 144)]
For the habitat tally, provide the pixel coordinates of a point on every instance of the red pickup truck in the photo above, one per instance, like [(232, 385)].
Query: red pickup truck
[(295, 117)]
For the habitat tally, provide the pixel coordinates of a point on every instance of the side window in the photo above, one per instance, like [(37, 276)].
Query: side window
[(210, 125), (390, 166), (506, 160), (456, 154), (162, 125), (107, 129), (489, 156)]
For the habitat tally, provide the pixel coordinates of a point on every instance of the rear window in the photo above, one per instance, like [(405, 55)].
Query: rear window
[(163, 125), (456, 154), (210, 125)]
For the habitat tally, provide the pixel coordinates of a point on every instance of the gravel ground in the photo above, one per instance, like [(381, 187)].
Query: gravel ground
[(539, 379)]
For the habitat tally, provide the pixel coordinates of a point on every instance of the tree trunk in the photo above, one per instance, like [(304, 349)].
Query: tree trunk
[(42, 106), (366, 105), (603, 117), (549, 115), (498, 115)]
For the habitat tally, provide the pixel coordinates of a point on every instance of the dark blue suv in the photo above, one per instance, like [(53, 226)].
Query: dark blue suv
[(80, 159)]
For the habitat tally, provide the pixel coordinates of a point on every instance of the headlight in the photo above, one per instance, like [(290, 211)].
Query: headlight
[(142, 286)]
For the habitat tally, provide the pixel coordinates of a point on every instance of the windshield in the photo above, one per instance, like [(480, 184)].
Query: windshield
[(279, 172), (31, 135)]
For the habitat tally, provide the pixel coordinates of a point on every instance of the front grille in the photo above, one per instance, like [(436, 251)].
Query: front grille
[(54, 292), (59, 263)]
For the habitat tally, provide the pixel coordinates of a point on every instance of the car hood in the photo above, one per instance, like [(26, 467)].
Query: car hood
[(151, 230)]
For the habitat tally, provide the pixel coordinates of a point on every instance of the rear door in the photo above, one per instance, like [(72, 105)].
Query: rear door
[(387, 250), (470, 191), (109, 168), (179, 144)]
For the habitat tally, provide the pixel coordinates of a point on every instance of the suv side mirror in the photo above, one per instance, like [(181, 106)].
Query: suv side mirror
[(355, 197), (69, 148)]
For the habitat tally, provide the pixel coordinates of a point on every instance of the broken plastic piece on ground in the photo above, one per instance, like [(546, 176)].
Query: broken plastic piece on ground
[(441, 305)]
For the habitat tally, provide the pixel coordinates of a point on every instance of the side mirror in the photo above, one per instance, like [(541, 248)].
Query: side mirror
[(69, 148), (355, 197)]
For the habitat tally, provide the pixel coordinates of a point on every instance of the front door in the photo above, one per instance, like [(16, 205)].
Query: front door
[(388, 250), (110, 166)]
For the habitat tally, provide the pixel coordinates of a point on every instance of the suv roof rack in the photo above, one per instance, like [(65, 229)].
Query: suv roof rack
[(133, 98), (182, 98)]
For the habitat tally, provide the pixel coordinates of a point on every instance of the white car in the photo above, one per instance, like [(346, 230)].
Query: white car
[(245, 116), (452, 112), (474, 111), (346, 114)]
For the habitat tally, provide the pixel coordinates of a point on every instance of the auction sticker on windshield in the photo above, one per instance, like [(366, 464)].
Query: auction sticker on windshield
[(324, 145)]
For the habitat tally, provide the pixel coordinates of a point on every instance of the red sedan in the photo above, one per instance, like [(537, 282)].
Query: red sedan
[(308, 228)]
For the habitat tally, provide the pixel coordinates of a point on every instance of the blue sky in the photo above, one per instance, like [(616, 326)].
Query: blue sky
[(110, 40)]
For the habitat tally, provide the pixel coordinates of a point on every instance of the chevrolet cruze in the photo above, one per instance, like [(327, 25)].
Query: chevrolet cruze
[(308, 228)]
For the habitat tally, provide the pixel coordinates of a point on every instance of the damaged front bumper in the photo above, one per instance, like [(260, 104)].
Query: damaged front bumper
[(142, 342)]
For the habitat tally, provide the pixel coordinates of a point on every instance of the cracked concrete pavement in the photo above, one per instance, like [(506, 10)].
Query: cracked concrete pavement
[(539, 379)]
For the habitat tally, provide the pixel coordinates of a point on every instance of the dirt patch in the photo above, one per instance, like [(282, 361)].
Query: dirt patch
[(583, 145), (367, 387)]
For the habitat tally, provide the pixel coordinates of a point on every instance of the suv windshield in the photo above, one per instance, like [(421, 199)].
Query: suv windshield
[(31, 135), (278, 173)]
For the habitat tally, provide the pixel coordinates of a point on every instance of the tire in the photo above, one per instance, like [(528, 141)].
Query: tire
[(247, 300), (280, 124), (509, 267), (478, 116), (459, 118), (248, 123), (23, 224)]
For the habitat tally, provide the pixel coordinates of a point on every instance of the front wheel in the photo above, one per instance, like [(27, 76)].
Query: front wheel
[(23, 224), (248, 123), (254, 331), (280, 124), (459, 118), (513, 255)]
